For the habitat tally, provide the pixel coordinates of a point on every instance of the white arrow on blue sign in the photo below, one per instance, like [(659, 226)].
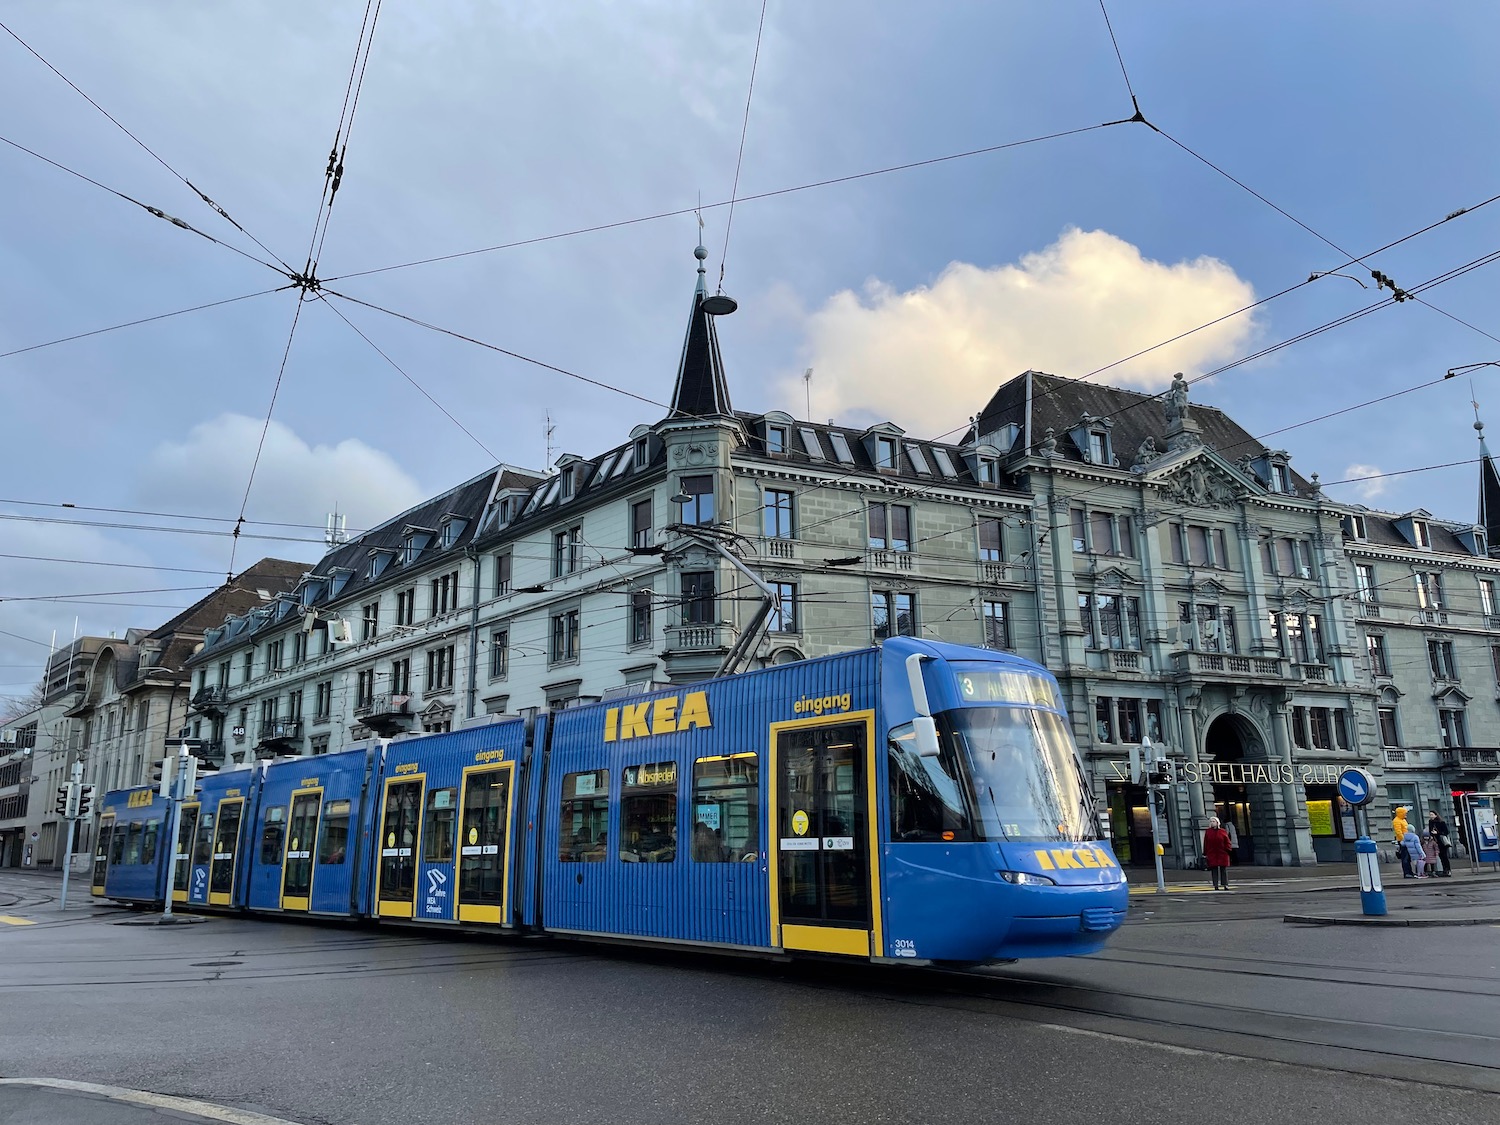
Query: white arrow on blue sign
[(1356, 787)]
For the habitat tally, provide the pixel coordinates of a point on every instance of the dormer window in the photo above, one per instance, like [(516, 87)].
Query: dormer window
[(989, 470), (1354, 526), (1421, 534), (1281, 478), (885, 453), (567, 484), (775, 439), (1098, 447), (642, 449), (449, 531), (410, 550)]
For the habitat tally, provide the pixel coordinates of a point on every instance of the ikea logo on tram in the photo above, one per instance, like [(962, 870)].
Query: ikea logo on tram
[(1059, 859), (657, 716)]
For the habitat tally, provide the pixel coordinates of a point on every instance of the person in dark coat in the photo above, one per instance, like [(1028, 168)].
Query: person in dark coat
[(1216, 853), (1437, 827)]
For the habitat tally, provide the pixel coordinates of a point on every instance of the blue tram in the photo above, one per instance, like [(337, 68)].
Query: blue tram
[(916, 802)]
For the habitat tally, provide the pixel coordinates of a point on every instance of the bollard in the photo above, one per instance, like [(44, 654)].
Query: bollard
[(1371, 893)]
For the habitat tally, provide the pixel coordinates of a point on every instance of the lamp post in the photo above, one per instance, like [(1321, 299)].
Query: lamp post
[(175, 795)]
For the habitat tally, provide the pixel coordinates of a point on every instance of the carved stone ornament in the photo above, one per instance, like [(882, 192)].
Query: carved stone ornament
[(1049, 443), (1199, 486), (696, 453), (1147, 453)]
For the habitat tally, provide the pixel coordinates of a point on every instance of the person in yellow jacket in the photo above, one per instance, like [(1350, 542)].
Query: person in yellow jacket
[(1398, 829)]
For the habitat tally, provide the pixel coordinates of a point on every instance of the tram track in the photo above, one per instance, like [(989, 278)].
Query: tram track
[(1383, 977)]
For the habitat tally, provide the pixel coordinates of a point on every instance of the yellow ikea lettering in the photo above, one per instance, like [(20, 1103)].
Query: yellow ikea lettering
[(694, 711), (664, 716), (1103, 857), (1045, 860), (660, 716), (1065, 858), (140, 800), (1088, 857)]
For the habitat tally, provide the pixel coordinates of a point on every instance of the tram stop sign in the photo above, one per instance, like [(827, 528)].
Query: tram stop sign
[(1356, 787)]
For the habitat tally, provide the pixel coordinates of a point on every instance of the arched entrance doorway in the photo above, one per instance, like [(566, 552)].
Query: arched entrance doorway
[(1229, 741)]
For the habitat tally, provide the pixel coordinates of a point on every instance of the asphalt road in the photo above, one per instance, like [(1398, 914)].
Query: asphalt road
[(1204, 1009)]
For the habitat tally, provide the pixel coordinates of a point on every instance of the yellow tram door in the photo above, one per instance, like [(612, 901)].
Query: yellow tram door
[(301, 832), (182, 849), (483, 845), (226, 852), (400, 829), (825, 879), (101, 853)]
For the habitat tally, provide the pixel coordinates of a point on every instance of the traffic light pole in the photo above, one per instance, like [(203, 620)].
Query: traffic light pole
[(178, 776), (74, 789)]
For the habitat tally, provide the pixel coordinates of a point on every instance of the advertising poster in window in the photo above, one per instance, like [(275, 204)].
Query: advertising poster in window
[(1320, 818), (1347, 829)]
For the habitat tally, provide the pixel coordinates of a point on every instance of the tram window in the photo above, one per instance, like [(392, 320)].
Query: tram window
[(333, 837), (648, 813), (726, 809), (148, 842), (437, 833), (584, 826), (117, 844), (273, 835), (203, 846), (133, 844), (927, 801), (102, 849)]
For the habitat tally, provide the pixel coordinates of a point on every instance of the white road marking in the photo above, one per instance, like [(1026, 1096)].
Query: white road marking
[(156, 1101)]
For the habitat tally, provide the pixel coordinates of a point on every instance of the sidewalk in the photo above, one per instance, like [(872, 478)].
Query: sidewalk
[(1252, 879)]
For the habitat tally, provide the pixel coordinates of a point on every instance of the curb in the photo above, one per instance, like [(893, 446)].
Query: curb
[(1383, 920)]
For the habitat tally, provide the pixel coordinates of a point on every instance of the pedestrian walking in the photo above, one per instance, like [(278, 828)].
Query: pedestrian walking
[(1398, 833), (1216, 853), (1234, 841), (1416, 858), (1439, 829)]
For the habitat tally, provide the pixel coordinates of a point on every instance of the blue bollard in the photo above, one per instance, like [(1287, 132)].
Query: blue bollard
[(1371, 893)]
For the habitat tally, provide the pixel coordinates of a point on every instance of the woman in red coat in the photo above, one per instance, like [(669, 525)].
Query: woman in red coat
[(1216, 852)]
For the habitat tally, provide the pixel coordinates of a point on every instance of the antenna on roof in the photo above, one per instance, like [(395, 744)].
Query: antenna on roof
[(337, 529), (807, 386), (550, 428)]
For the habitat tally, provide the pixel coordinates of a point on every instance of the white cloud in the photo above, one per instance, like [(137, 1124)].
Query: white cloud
[(929, 357), (1367, 489), (297, 482)]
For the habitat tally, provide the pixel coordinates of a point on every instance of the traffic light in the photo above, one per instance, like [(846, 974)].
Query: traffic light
[(62, 799), (1161, 772), (161, 775), (86, 801)]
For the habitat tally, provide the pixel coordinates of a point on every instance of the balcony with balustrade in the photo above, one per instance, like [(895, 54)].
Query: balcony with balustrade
[(1226, 666), (386, 714)]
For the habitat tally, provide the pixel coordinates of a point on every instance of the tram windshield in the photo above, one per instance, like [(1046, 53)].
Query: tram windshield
[(1024, 773)]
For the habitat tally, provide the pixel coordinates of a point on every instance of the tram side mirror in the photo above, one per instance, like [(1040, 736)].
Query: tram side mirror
[(925, 729)]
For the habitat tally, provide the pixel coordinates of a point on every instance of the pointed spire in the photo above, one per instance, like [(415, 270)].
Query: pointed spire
[(702, 389), (1489, 490)]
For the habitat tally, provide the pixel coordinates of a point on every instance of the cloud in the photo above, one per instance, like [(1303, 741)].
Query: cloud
[(296, 482), (1367, 489), (929, 357)]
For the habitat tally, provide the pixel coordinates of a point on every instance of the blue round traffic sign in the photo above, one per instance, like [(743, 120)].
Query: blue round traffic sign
[(1356, 786)]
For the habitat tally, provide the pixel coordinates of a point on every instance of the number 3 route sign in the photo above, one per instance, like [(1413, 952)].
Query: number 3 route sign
[(1356, 787)]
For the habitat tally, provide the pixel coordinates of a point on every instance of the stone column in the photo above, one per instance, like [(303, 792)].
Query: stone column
[(1191, 740), (1295, 840)]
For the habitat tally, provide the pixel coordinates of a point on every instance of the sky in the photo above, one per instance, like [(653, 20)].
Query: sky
[(910, 293)]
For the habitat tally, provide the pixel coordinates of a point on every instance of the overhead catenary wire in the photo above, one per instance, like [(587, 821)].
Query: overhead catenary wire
[(162, 515), (108, 563), (744, 130), (147, 148)]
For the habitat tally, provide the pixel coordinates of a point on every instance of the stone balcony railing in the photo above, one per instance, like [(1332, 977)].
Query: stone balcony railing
[(711, 637), (1467, 757), (1227, 666)]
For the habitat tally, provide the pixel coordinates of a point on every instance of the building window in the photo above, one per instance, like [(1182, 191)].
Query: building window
[(1429, 589), (642, 455), (698, 597), (890, 527), (1364, 583), (247, 669), (369, 621), (440, 669), (778, 513), (1355, 526), (565, 551), (893, 613), (1389, 735), (640, 524), (1487, 597), (444, 594), (223, 673), (319, 744), (1281, 478), (775, 439), (1494, 659), (1299, 636), (324, 704), (1320, 728), (1420, 534), (1086, 619), (1341, 728), (299, 647), (1455, 730), (1213, 629), (1379, 664), (1440, 659), (274, 652), (406, 607), (784, 615), (989, 470), (991, 542), (565, 479), (1104, 730), (499, 653), (267, 714), (1080, 524), (996, 625), (885, 453), (503, 573), (1098, 448), (564, 636), (401, 676), (640, 617), (1128, 719), (294, 707), (699, 509)]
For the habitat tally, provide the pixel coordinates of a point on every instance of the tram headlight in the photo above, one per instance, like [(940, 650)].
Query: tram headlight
[(1027, 879)]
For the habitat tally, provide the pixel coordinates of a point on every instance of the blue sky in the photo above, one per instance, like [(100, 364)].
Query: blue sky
[(911, 294)]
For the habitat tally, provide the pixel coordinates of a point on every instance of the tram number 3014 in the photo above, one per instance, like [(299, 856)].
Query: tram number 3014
[(904, 947)]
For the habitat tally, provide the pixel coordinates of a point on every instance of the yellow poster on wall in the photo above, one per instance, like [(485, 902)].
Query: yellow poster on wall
[(1320, 818)]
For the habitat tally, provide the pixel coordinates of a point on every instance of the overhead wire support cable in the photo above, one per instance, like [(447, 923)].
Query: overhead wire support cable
[(148, 150), (156, 212), (744, 130), (143, 320), (742, 199)]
